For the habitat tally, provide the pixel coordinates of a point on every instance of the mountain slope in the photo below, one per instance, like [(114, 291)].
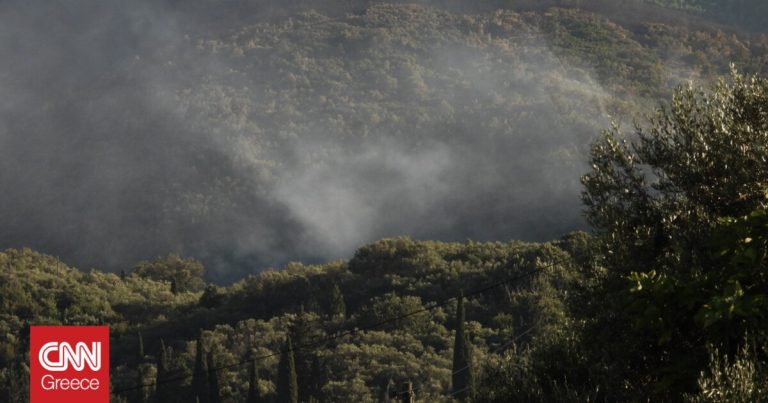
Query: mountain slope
[(303, 136)]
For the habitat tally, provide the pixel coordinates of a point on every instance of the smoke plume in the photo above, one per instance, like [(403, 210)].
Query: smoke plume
[(135, 129)]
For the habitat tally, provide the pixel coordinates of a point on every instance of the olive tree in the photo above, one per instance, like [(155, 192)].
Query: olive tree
[(657, 200)]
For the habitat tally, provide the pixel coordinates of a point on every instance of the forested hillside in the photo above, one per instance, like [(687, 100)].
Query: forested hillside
[(267, 135), (252, 317), (749, 14), (244, 191)]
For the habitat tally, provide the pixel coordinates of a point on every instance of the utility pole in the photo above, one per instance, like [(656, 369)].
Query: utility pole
[(406, 396)]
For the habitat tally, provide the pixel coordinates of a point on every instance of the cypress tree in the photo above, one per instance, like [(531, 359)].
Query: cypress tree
[(213, 380), (200, 374), (337, 307), (141, 395), (162, 362), (141, 347), (463, 377), (162, 391), (253, 383), (302, 333), (287, 386)]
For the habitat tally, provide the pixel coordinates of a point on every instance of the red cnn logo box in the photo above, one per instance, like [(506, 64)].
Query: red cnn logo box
[(69, 364)]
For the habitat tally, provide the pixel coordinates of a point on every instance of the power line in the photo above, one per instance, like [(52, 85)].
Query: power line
[(496, 350), (354, 330), (502, 347)]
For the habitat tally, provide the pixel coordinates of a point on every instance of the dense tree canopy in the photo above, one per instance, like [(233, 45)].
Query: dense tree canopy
[(185, 274), (665, 300), (254, 316), (660, 203)]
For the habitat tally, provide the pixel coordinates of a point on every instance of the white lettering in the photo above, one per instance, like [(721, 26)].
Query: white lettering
[(48, 382), (76, 357)]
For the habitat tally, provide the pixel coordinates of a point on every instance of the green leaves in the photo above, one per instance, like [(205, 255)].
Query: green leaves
[(740, 244), (734, 289), (680, 209), (654, 304), (722, 306), (185, 273)]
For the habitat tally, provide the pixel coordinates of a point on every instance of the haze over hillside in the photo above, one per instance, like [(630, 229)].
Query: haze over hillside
[(248, 135)]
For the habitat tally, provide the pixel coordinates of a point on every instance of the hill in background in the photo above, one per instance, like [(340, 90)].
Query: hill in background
[(243, 135), (250, 134)]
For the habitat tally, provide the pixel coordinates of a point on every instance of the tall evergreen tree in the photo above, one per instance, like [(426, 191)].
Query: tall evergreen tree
[(162, 362), (463, 381), (163, 391), (140, 394), (253, 383), (337, 308), (200, 374), (141, 347), (287, 385), (213, 380), (303, 333)]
